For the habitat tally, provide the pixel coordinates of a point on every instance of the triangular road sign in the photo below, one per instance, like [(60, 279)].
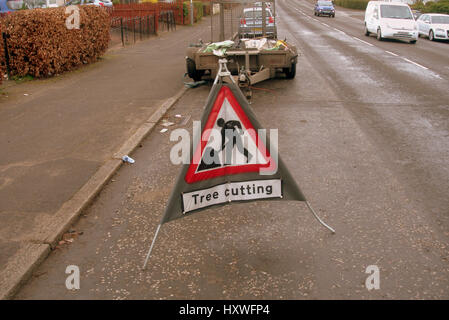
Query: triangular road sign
[(211, 179), (225, 155), (226, 168)]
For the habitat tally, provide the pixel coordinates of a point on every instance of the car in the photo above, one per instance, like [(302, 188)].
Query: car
[(390, 20), (324, 8), (98, 3), (251, 23), (47, 4), (108, 3), (434, 26), (9, 6)]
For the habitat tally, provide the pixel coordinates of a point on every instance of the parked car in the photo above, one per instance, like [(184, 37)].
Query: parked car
[(393, 20), (107, 3), (47, 4), (324, 8), (251, 23), (9, 6), (434, 25), (98, 3)]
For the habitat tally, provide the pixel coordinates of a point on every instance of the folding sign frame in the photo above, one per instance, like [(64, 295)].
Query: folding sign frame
[(203, 183)]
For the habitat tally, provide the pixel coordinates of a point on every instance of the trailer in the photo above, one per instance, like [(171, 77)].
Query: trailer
[(250, 59)]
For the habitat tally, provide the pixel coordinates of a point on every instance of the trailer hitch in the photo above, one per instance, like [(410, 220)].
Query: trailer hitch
[(244, 81)]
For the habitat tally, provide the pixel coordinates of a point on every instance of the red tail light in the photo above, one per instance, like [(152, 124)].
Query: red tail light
[(102, 4), (270, 20), (242, 21)]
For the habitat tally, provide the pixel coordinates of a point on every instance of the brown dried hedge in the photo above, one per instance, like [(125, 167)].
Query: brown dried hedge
[(41, 45)]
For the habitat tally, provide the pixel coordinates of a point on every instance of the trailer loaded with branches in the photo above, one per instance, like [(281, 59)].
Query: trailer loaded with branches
[(243, 32)]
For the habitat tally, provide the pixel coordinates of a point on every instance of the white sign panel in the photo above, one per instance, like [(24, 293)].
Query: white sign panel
[(232, 191)]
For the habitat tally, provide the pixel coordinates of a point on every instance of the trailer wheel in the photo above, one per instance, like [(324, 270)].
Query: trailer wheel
[(192, 71), (290, 73)]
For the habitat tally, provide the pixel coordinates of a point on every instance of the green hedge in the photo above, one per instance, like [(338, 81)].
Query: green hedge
[(441, 6), (352, 4)]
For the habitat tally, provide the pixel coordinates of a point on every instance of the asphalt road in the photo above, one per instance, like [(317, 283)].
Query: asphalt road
[(364, 132)]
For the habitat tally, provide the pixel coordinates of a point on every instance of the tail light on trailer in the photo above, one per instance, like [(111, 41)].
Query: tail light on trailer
[(271, 20), (242, 21)]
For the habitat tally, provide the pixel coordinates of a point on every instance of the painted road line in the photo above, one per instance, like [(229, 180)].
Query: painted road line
[(325, 24), (363, 41), (392, 53), (416, 64)]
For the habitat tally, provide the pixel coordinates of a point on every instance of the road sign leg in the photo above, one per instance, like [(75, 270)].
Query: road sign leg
[(151, 247), (318, 218)]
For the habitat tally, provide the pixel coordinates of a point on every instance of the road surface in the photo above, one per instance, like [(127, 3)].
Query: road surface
[(364, 130)]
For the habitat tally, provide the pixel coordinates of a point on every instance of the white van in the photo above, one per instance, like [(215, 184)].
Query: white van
[(393, 20)]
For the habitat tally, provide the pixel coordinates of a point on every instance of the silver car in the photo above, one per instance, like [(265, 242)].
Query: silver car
[(97, 3), (434, 25), (251, 23)]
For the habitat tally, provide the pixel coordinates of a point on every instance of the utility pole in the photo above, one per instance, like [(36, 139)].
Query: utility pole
[(191, 12)]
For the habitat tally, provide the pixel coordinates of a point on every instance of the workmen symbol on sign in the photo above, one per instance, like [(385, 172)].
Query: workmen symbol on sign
[(231, 136), (229, 143), (232, 129)]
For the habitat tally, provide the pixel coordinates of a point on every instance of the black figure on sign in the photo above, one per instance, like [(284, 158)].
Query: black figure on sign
[(232, 130)]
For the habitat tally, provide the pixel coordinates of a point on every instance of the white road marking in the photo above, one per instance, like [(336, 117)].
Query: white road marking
[(363, 41), (392, 53), (325, 24), (416, 64), (339, 30)]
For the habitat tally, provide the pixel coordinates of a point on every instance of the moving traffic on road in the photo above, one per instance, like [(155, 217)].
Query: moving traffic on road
[(434, 26), (391, 20), (324, 8)]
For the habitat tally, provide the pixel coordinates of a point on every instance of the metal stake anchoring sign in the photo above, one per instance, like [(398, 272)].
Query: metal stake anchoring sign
[(223, 169)]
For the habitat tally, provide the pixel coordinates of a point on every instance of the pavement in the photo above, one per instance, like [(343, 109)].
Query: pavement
[(62, 138), (363, 132)]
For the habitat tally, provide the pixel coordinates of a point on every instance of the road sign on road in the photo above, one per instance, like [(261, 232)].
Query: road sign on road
[(231, 162)]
